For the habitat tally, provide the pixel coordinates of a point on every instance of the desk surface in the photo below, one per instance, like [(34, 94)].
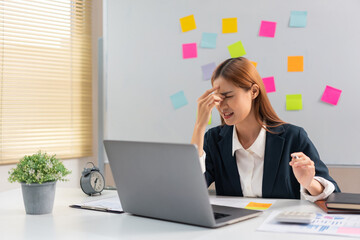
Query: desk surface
[(70, 223)]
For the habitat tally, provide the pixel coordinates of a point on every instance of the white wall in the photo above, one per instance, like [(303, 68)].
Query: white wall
[(152, 30), (75, 165)]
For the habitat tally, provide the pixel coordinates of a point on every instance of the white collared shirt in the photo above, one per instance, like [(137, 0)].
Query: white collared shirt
[(250, 163)]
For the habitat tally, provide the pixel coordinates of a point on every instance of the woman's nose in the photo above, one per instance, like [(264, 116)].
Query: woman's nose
[(222, 103)]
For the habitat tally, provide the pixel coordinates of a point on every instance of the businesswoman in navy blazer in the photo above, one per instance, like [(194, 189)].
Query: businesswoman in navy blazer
[(254, 153)]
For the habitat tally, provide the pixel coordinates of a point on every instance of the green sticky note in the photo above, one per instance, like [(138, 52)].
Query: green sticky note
[(236, 49), (293, 102)]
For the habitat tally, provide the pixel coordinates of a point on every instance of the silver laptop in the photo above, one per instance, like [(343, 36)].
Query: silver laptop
[(165, 181)]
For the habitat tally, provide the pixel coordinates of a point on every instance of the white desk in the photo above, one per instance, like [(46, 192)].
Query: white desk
[(70, 223)]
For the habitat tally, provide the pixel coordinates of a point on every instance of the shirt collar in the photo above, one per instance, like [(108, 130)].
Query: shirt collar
[(258, 147)]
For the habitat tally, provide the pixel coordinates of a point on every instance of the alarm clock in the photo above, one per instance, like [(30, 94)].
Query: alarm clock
[(92, 181)]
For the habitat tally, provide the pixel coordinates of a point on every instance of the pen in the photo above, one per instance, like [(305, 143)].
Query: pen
[(95, 208)]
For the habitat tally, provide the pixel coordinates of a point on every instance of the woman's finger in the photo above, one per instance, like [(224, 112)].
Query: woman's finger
[(208, 92), (210, 99), (302, 163)]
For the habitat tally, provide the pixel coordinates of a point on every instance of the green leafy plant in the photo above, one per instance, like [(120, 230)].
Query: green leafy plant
[(38, 168)]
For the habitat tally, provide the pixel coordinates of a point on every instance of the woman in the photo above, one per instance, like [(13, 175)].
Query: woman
[(254, 153)]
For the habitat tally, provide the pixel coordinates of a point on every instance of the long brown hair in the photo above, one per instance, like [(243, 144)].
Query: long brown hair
[(242, 73)]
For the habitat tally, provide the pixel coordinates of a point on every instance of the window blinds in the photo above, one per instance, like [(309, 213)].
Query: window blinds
[(45, 78)]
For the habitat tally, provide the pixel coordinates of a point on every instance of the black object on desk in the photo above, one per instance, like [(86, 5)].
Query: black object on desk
[(343, 201)]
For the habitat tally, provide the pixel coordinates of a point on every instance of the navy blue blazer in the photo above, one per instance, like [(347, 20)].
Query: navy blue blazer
[(278, 178)]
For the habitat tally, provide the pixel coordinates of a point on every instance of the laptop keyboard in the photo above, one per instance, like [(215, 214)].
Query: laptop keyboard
[(220, 215)]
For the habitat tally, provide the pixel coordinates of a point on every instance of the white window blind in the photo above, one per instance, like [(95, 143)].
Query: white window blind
[(45, 78)]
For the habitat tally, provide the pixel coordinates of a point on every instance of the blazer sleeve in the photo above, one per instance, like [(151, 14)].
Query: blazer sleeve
[(308, 148), (209, 163)]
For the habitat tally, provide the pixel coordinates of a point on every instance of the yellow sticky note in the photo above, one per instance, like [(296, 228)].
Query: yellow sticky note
[(254, 63), (293, 102), (258, 206), (229, 25), (295, 63), (187, 23)]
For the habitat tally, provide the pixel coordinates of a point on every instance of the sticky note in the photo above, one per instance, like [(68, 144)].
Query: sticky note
[(295, 63), (269, 83), (331, 95), (229, 25), (298, 19), (187, 23), (208, 70), (349, 230), (178, 100), (267, 29), (258, 206), (189, 50), (254, 63), (208, 40), (293, 102), (236, 49)]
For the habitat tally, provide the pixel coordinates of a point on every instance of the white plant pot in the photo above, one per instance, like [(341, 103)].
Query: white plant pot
[(38, 198)]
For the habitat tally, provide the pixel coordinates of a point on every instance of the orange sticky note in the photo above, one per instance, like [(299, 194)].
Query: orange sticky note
[(258, 206), (187, 23), (254, 63), (229, 25), (295, 63)]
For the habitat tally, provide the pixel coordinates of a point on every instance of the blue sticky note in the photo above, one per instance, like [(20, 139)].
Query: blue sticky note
[(208, 70), (298, 19), (208, 40), (178, 100)]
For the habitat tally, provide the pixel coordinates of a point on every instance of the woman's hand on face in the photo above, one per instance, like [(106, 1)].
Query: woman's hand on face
[(206, 103), (303, 168)]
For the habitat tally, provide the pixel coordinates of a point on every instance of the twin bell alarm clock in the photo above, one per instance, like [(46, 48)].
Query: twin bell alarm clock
[(92, 181)]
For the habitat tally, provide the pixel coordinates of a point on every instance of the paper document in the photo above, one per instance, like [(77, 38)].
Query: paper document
[(111, 204), (327, 224)]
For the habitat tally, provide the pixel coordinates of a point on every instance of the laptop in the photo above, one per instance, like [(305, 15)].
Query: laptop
[(165, 181)]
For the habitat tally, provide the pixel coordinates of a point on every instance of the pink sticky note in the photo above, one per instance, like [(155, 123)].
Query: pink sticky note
[(331, 95), (269, 83), (189, 50), (267, 29), (349, 230)]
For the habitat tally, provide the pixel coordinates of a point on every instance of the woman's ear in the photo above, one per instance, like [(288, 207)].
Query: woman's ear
[(254, 91)]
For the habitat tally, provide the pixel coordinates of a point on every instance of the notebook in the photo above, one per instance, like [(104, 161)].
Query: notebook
[(343, 200), (165, 181), (322, 204)]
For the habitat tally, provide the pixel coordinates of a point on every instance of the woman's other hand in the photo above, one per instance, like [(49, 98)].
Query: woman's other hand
[(304, 171)]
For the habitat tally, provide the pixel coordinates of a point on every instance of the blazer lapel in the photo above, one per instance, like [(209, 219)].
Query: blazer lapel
[(273, 151), (230, 167)]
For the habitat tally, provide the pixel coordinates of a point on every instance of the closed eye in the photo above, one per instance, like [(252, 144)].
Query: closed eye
[(228, 96)]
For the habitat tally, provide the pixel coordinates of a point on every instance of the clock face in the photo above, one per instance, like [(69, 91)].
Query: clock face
[(97, 181)]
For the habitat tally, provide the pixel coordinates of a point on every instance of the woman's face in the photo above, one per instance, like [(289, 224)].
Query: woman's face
[(237, 103)]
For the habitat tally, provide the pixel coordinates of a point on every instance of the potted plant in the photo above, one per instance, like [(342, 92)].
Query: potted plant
[(38, 174)]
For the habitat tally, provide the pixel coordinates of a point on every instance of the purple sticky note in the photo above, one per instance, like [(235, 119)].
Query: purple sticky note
[(269, 83), (208, 70), (189, 50), (267, 29), (331, 95)]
